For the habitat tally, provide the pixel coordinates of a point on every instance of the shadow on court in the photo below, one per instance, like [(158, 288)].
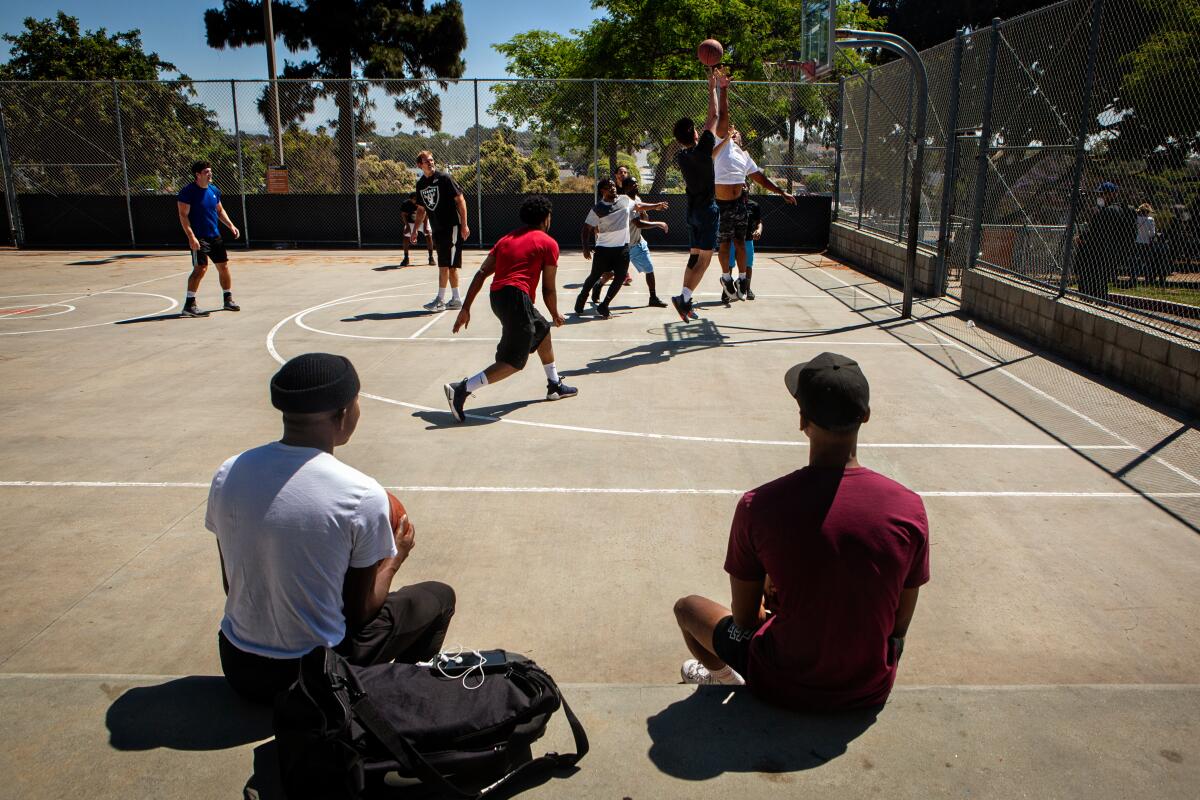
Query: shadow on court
[(476, 415), (385, 317), (119, 257), (199, 712), (721, 729), (164, 317)]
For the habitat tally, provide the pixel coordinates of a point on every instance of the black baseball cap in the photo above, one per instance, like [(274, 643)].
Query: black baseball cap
[(831, 390)]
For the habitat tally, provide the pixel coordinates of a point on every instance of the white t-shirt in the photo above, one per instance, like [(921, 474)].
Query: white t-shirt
[(291, 521), (635, 233), (733, 165), (1145, 229), (611, 221)]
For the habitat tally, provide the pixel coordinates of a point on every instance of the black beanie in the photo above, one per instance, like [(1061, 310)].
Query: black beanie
[(314, 382)]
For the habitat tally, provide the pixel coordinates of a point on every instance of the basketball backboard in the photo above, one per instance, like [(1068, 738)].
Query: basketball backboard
[(817, 24)]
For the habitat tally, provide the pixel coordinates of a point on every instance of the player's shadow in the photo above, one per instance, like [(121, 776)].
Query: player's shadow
[(680, 338), (384, 317), (110, 259), (476, 415), (388, 267), (154, 318), (199, 712), (739, 733)]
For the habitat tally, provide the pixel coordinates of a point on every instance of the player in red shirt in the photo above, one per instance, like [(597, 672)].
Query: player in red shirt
[(519, 260), (824, 566)]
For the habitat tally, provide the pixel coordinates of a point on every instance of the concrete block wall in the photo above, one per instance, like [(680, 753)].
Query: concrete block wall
[(1159, 365), (881, 256)]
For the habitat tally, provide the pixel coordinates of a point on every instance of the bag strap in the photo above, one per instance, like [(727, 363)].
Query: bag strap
[(404, 751)]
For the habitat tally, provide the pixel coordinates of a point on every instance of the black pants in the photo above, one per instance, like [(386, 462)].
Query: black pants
[(410, 627), (605, 259)]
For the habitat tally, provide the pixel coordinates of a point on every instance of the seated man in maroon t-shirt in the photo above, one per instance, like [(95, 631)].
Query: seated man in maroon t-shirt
[(521, 259), (836, 551)]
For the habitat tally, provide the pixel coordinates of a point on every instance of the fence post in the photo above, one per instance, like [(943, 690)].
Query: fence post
[(985, 144), (837, 163), (595, 137), (908, 138), (478, 166), (16, 230), (237, 138), (949, 163), (124, 161), (354, 161), (1080, 151), (862, 172)]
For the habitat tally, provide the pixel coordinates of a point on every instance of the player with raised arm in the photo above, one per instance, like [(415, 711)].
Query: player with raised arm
[(696, 164), (200, 210), (519, 261)]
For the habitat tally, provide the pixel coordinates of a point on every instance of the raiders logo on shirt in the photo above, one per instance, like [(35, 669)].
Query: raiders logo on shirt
[(430, 195)]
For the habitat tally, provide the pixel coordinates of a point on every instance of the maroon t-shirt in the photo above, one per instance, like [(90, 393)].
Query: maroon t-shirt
[(520, 256), (840, 545)]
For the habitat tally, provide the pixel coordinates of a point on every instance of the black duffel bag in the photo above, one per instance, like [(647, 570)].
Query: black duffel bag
[(340, 729)]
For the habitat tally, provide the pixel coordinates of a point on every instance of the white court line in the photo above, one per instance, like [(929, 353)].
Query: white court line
[(173, 303), (583, 490), (117, 289), (990, 362), (436, 316)]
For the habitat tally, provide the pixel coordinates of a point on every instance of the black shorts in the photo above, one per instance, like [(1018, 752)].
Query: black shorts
[(449, 247), (213, 249), (611, 259), (523, 327), (732, 644)]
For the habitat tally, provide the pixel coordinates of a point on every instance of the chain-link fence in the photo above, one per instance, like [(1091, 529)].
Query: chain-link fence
[(100, 163), (1028, 118)]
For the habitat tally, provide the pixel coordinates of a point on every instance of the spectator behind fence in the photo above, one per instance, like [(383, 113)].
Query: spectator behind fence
[(309, 545), (824, 566), (1106, 244), (1144, 258)]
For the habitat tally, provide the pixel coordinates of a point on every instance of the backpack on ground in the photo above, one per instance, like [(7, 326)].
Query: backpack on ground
[(340, 729)]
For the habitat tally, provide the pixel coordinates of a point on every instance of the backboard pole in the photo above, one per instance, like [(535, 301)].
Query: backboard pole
[(898, 44)]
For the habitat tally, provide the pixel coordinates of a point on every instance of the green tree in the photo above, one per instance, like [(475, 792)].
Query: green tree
[(646, 39), (399, 41), (382, 176), (505, 170), (53, 126)]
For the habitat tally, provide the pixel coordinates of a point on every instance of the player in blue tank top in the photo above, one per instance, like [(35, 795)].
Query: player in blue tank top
[(200, 213)]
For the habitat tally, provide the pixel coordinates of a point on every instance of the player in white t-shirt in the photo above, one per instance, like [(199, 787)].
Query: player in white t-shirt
[(309, 545)]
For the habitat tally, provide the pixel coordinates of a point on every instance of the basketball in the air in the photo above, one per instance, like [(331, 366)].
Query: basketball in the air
[(710, 52)]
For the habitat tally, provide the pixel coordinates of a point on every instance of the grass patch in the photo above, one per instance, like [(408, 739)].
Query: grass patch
[(1189, 297)]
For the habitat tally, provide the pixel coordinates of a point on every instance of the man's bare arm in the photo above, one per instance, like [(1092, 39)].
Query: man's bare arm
[(221, 215), (770, 185), (550, 293), (365, 589), (723, 126), (183, 209), (710, 121), (586, 237), (485, 269), (748, 611), (464, 228)]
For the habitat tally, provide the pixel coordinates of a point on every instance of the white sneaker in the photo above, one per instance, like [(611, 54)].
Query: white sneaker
[(454, 302), (435, 305), (693, 671)]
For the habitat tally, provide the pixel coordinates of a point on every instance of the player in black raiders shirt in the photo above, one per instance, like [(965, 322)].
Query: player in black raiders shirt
[(441, 201)]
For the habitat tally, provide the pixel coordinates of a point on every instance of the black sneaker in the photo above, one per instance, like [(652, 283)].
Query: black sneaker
[(404, 263), (191, 310), (559, 391), (456, 395), (579, 309), (728, 290), (602, 311), (743, 289), (230, 305), (682, 307), (656, 302), (596, 293), (431, 261), (749, 294)]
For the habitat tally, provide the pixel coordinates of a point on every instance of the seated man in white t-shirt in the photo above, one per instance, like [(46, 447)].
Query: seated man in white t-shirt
[(309, 545)]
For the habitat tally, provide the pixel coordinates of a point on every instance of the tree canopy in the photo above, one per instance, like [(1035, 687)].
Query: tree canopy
[(403, 41)]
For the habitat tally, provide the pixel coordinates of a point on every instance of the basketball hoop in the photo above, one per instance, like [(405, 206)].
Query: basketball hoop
[(791, 71)]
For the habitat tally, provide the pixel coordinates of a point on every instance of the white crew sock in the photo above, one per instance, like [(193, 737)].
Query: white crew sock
[(551, 372), (687, 294), (454, 293), (476, 382), (441, 294), (191, 295)]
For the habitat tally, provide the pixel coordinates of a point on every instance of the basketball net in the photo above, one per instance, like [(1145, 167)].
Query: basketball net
[(791, 71)]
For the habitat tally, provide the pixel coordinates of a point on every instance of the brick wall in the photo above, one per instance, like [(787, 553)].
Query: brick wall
[(1161, 366), (881, 256)]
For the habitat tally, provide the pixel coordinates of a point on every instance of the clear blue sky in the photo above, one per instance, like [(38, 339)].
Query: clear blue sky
[(175, 30)]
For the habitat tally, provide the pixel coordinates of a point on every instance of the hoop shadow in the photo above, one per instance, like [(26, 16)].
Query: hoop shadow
[(199, 712), (680, 338), (720, 729)]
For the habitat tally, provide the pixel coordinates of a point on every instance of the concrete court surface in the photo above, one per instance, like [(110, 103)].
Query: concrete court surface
[(1053, 654)]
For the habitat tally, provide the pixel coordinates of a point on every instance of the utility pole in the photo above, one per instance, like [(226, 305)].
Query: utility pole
[(273, 88)]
